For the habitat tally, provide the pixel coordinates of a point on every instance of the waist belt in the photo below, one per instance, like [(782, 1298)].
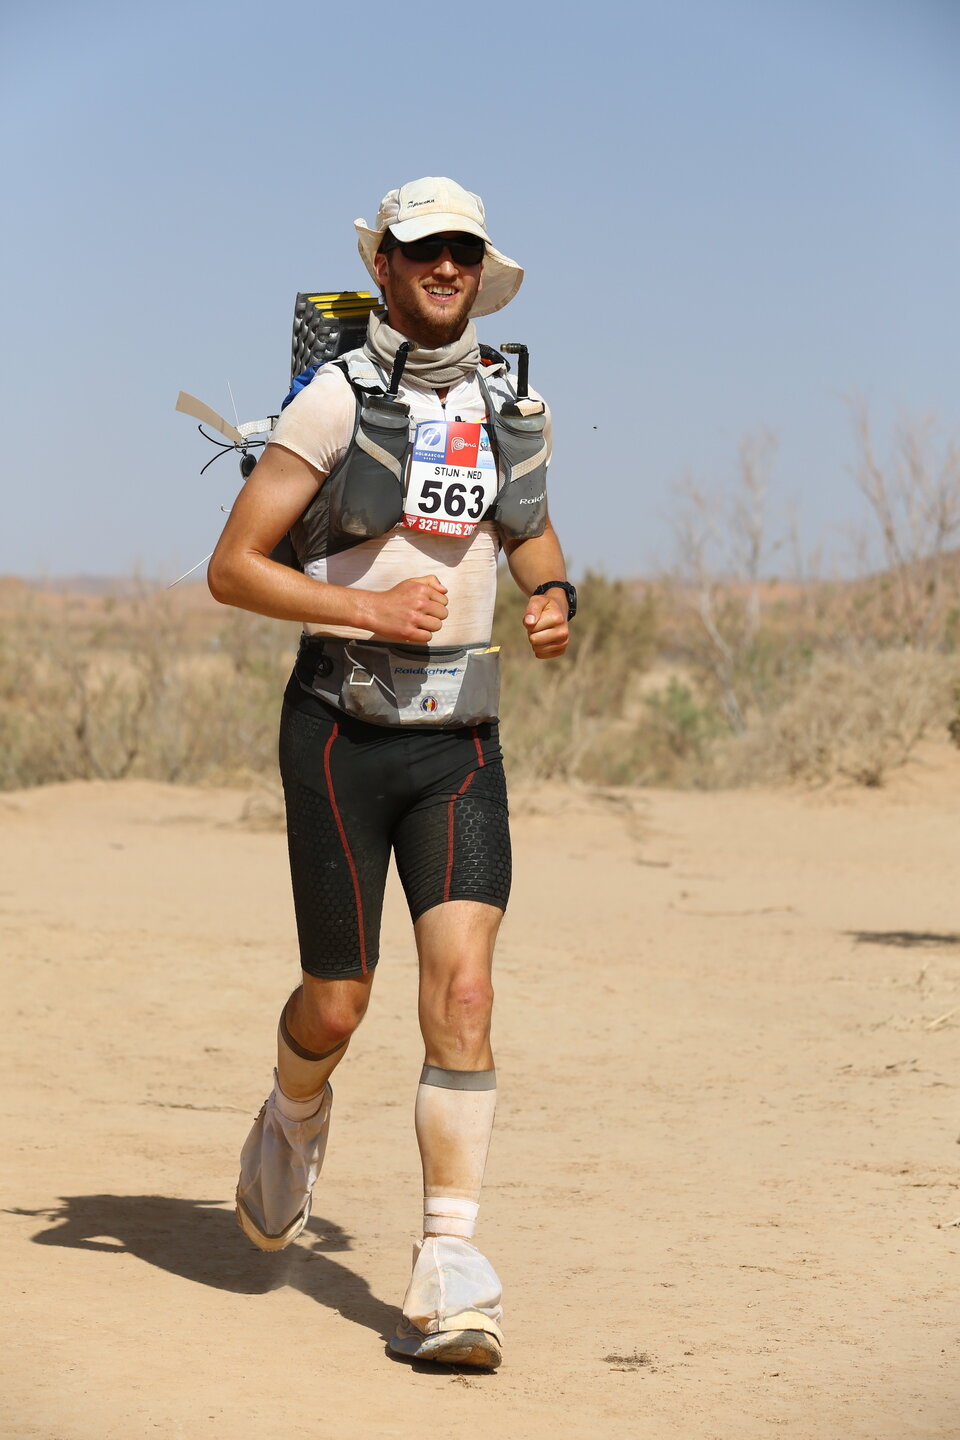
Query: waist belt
[(402, 684)]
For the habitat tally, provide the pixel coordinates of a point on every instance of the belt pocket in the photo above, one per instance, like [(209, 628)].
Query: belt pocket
[(384, 685)]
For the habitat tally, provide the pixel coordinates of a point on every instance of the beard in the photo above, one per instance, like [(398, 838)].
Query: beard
[(412, 313)]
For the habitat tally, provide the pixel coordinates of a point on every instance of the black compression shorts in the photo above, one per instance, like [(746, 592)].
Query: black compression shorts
[(353, 792)]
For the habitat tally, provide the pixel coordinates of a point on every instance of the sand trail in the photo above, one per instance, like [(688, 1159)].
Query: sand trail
[(725, 1172)]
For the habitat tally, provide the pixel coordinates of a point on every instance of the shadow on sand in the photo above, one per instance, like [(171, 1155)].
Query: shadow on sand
[(904, 939), (202, 1244)]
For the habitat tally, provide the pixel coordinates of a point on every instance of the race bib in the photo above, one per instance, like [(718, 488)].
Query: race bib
[(452, 480)]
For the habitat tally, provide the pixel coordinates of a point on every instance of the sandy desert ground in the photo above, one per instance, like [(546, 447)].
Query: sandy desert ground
[(724, 1191)]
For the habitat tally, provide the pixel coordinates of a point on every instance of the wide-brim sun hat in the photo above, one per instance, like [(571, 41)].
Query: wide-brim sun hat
[(429, 206)]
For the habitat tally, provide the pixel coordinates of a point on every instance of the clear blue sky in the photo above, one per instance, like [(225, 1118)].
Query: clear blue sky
[(732, 213)]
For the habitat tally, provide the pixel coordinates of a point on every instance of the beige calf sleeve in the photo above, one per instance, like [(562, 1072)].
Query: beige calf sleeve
[(454, 1119), (301, 1074)]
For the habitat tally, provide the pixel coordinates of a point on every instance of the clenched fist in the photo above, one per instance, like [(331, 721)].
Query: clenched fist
[(545, 621), (411, 613)]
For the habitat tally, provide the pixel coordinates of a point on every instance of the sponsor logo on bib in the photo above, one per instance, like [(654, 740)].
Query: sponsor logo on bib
[(431, 437)]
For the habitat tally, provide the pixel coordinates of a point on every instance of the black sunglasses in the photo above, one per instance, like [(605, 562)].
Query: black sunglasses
[(464, 249)]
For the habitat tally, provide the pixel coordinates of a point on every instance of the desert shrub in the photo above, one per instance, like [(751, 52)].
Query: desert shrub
[(139, 686), (913, 496), (751, 676), (132, 687), (814, 679), (129, 692), (680, 730), (953, 724), (574, 718), (853, 716)]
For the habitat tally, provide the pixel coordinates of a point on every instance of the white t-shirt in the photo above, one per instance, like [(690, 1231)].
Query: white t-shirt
[(318, 425)]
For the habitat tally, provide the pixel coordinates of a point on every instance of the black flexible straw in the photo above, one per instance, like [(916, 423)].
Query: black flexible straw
[(400, 360), (523, 368)]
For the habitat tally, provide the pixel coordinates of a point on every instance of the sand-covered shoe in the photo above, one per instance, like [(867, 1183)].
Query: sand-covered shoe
[(279, 1165), (451, 1311)]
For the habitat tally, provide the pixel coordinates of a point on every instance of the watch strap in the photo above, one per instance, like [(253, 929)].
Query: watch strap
[(569, 590)]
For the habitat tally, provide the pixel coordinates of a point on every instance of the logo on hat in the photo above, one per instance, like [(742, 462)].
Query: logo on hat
[(429, 703), (430, 205)]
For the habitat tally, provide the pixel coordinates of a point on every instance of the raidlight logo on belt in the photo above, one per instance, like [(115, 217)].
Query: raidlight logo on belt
[(426, 692), (425, 670), (452, 480)]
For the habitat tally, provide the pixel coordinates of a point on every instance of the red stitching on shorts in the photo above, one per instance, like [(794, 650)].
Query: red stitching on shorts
[(451, 803), (453, 800), (346, 848)]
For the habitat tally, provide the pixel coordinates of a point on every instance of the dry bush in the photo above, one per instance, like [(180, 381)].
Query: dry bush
[(913, 495), (722, 549), (677, 737), (854, 716), (813, 679), (903, 585), (574, 718), (773, 682), (130, 689), (129, 692)]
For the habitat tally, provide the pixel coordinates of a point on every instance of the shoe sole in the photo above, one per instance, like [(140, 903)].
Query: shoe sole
[(457, 1347), (270, 1242)]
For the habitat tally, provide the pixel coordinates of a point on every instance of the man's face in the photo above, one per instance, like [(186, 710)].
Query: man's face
[(428, 301)]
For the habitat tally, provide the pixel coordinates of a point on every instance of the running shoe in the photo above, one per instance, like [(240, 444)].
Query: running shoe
[(451, 1311), (279, 1165)]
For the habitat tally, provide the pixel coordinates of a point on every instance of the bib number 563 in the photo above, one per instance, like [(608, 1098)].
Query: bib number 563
[(452, 498)]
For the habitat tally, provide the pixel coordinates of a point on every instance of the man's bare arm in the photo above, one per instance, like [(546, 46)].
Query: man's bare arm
[(241, 572), (533, 562)]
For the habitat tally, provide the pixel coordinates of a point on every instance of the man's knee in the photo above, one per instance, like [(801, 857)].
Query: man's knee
[(471, 995), (461, 1003), (325, 1013)]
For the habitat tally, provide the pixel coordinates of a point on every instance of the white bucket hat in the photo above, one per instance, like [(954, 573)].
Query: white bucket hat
[(425, 207)]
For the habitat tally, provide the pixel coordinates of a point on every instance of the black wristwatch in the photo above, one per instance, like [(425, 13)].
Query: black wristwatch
[(570, 591)]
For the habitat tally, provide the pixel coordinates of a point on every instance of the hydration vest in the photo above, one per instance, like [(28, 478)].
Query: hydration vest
[(362, 497)]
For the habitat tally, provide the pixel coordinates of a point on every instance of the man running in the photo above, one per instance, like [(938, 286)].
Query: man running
[(399, 472)]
